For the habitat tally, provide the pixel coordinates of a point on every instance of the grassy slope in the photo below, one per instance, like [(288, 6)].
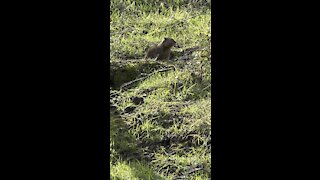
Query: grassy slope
[(169, 135)]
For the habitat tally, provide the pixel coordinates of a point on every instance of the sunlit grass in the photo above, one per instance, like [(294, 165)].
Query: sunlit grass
[(168, 136)]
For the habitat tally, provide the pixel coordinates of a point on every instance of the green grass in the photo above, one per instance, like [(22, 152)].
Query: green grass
[(133, 170), (168, 136)]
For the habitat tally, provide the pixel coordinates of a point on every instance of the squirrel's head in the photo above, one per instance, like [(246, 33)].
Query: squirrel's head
[(168, 42)]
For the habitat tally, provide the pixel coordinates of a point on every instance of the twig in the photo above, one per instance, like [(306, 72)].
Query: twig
[(128, 84), (206, 87)]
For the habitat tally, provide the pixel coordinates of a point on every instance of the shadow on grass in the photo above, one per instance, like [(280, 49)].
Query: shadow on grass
[(126, 156)]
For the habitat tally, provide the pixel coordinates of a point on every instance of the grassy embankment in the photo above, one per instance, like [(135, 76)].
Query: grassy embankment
[(161, 124)]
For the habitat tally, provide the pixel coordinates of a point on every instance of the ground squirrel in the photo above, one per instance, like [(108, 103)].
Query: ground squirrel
[(161, 51)]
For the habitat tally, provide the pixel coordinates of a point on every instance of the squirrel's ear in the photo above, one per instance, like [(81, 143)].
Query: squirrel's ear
[(165, 38)]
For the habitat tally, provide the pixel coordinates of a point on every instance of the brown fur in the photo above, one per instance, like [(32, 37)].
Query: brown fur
[(161, 51)]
